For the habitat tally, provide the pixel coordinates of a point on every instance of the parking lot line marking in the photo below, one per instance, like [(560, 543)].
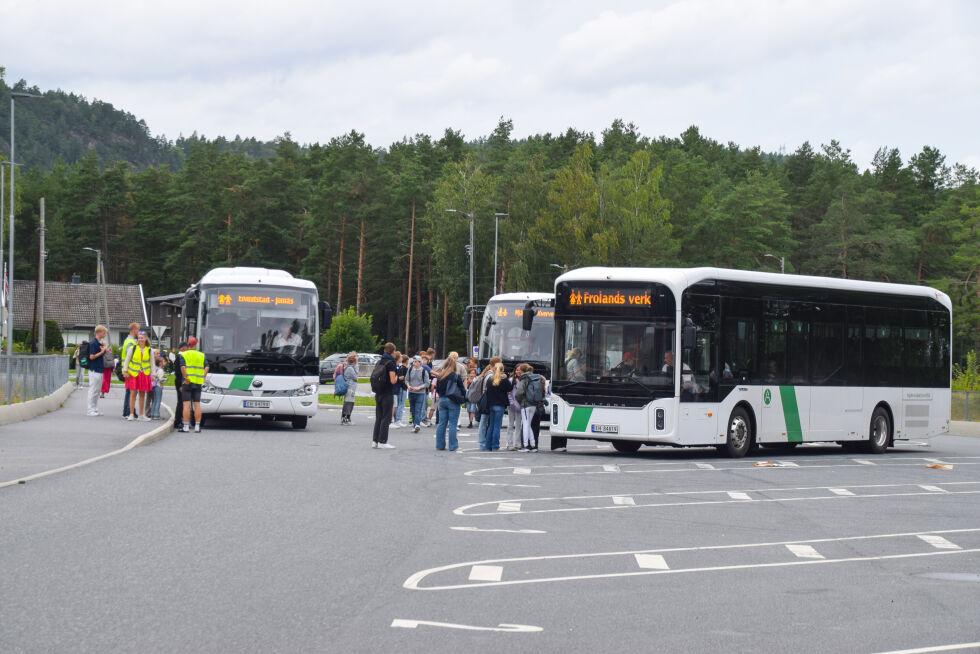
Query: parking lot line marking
[(865, 462), (739, 496), (623, 500), (704, 466), (611, 467), (932, 489), (512, 628), (651, 562), (937, 648), (502, 531), (486, 573), (934, 461), (509, 507), (840, 491), (805, 552), (477, 483), (939, 542), (522, 471)]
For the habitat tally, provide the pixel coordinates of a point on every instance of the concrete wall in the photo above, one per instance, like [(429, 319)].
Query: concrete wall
[(34, 408)]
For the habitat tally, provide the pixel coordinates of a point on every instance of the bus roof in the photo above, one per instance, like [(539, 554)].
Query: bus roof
[(246, 275), (678, 279), (520, 297)]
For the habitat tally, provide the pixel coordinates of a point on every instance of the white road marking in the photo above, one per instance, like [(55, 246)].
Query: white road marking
[(493, 507), (704, 466), (486, 573), (522, 471), (623, 500), (865, 462), (841, 491), (935, 461), (412, 583), (508, 507), (932, 489), (503, 626), (489, 483), (805, 552), (937, 648), (939, 542), (611, 467), (502, 531), (788, 464), (651, 562)]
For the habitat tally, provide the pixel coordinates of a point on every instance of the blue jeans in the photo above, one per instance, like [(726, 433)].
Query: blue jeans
[(495, 419), (448, 417), (157, 397), (126, 404), (400, 403), (416, 403), (482, 437)]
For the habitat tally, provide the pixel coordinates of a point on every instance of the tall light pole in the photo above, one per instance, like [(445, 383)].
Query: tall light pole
[(496, 218), (469, 332), (101, 304), (10, 258), (781, 260), (3, 291)]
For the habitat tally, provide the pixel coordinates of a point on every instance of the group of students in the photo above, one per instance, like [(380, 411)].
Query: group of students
[(440, 393), (145, 373)]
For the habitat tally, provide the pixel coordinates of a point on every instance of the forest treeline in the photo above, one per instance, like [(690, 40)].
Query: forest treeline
[(372, 227)]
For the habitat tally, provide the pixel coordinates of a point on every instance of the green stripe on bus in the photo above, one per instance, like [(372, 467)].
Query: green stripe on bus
[(791, 413), (580, 418), (241, 382)]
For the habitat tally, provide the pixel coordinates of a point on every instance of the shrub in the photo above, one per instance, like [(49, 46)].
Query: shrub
[(349, 332)]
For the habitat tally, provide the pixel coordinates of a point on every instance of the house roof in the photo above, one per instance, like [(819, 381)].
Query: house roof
[(73, 305)]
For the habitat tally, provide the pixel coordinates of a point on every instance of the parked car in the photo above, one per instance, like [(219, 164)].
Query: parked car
[(329, 365)]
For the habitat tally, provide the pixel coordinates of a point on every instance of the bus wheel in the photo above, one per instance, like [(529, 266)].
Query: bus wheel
[(881, 431), (299, 422), (627, 447), (739, 434)]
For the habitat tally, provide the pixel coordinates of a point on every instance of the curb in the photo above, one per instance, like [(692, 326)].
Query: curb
[(11, 413), (144, 439)]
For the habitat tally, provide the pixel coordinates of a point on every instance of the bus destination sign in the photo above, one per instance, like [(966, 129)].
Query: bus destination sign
[(233, 298), (608, 297)]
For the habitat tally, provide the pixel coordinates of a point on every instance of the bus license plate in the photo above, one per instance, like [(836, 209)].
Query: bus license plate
[(256, 404), (605, 429)]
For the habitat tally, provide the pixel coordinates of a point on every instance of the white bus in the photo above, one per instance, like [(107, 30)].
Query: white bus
[(502, 333), (259, 330), (733, 359)]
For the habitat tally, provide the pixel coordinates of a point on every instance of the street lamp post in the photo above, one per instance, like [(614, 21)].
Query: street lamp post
[(496, 218), (101, 305), (781, 260), (10, 258), (469, 332), (3, 291)]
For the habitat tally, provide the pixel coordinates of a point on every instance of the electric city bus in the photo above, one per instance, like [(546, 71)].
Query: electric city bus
[(259, 330), (502, 333), (733, 359)]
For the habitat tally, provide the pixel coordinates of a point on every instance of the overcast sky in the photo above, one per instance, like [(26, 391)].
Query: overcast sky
[(869, 73)]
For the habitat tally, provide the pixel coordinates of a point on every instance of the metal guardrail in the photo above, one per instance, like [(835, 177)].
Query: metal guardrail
[(965, 406), (26, 377)]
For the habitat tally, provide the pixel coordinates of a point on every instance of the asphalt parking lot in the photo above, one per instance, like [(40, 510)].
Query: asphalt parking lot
[(313, 541)]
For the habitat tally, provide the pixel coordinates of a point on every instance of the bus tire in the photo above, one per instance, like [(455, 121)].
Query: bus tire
[(299, 422), (740, 437), (880, 431), (626, 447)]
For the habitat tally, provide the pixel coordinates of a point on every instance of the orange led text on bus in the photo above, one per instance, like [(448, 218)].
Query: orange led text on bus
[(580, 298)]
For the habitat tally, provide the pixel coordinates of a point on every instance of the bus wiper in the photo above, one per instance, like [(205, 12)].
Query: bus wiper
[(632, 378)]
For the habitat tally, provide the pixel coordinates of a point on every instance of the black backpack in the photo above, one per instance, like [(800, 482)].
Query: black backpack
[(379, 378), (83, 354)]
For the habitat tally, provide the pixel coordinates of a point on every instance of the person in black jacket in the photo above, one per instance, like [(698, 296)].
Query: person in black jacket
[(497, 388), (384, 401), (178, 382)]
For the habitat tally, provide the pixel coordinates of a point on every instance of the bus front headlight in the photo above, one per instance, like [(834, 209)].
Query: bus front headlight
[(208, 387), (308, 389)]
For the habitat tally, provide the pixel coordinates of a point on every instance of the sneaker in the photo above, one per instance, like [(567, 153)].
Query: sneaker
[(560, 449), (197, 429), (386, 446), (350, 423), (534, 449), (142, 419), (394, 425), (416, 429), (374, 444), (91, 414), (523, 449), (185, 429), (470, 426), (403, 424), (511, 449), (130, 417)]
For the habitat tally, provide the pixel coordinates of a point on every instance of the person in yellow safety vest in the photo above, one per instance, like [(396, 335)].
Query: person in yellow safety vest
[(128, 344), (194, 369), (138, 366)]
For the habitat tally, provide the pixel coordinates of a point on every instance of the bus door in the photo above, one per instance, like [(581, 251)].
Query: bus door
[(785, 375)]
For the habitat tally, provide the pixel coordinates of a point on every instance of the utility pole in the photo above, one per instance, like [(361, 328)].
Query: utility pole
[(41, 257)]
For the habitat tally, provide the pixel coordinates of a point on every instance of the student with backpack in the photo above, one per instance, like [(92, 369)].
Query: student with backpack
[(497, 388), (449, 387), (476, 394), (417, 381), (530, 395), (383, 379), (346, 383)]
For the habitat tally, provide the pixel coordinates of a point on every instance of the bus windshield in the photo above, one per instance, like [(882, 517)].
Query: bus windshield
[(617, 351), (503, 336), (259, 319)]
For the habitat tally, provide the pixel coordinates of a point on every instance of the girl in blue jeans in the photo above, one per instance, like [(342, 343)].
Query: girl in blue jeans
[(417, 381), (448, 384), (497, 388)]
